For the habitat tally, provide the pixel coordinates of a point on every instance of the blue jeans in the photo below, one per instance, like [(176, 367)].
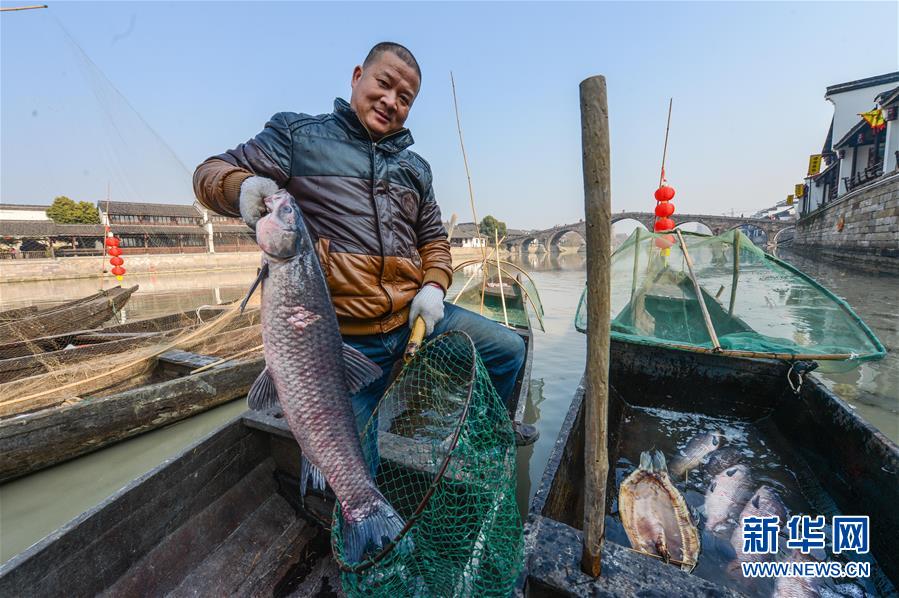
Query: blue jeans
[(501, 350)]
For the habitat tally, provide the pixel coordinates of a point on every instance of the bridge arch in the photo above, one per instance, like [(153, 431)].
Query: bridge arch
[(756, 234), (553, 239), (696, 226)]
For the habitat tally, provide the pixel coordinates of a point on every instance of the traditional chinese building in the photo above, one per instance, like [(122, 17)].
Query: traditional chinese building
[(855, 153)]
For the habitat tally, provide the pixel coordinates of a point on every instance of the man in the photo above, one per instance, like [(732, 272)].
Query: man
[(369, 203)]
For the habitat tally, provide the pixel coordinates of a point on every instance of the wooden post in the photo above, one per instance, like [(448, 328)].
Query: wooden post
[(598, 210), (50, 245), (636, 262), (710, 328)]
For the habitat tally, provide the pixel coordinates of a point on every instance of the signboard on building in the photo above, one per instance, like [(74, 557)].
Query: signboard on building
[(789, 200), (814, 164), (799, 190)]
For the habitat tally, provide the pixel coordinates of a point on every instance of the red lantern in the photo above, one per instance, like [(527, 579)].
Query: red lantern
[(118, 271), (664, 193), (664, 224), (114, 251), (664, 209), (112, 242), (665, 241), (116, 261)]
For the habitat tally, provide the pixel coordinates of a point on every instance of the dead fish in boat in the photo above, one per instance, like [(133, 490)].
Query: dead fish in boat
[(722, 459), (764, 503), (655, 515), (696, 450), (797, 587), (312, 373), (842, 590), (726, 496)]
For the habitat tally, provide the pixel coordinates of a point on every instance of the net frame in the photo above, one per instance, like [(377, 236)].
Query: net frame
[(740, 243), (336, 518)]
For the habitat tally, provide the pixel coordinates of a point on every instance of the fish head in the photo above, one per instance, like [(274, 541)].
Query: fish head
[(282, 232)]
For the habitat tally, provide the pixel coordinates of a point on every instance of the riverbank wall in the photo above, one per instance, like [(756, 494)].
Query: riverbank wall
[(30, 270), (861, 228)]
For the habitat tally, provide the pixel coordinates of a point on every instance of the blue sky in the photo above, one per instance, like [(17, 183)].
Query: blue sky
[(748, 82)]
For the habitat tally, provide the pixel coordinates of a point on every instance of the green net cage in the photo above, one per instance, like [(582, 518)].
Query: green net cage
[(723, 294), (441, 449)]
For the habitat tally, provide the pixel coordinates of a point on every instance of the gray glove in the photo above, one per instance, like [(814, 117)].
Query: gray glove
[(252, 193), (428, 304)]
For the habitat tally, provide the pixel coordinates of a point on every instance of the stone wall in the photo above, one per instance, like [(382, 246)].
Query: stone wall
[(22, 270), (869, 219)]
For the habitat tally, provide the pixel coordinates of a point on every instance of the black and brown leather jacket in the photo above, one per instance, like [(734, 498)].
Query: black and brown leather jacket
[(369, 205)]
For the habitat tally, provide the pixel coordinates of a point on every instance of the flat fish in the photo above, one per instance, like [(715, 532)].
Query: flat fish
[(764, 503), (655, 515), (699, 447), (726, 496), (312, 374)]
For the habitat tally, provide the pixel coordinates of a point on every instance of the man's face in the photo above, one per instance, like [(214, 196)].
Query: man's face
[(383, 93)]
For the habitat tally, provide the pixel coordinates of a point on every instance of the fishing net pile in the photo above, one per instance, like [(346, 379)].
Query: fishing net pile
[(441, 449), (737, 301), (34, 376)]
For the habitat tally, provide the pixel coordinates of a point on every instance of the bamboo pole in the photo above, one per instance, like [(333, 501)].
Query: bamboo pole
[(598, 209), (705, 312), (733, 286), (12, 8), (209, 366), (474, 212), (499, 274), (636, 261)]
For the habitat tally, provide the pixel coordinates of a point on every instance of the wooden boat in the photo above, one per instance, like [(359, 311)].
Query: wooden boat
[(81, 314), (223, 517), (36, 435), (56, 342), (841, 464), (101, 341)]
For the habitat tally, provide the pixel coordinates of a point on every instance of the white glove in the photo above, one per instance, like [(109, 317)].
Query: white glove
[(252, 193), (428, 304)]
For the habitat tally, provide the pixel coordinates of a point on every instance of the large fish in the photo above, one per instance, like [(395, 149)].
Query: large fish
[(797, 587), (764, 503), (699, 447), (726, 495), (723, 459), (312, 373), (655, 515)]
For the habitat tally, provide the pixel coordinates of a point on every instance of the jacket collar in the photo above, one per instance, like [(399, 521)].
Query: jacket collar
[(347, 117)]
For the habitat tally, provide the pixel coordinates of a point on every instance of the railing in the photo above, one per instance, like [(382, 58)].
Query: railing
[(25, 255), (863, 177)]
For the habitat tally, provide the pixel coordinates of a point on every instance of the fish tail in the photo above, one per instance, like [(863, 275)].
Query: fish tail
[(371, 533)]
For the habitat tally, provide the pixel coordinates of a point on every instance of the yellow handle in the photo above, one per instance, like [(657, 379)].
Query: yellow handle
[(415, 339)]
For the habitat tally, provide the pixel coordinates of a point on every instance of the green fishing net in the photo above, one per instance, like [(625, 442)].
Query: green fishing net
[(757, 305), (478, 287), (441, 447)]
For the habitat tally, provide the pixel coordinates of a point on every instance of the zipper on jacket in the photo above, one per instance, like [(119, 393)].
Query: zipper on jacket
[(374, 205)]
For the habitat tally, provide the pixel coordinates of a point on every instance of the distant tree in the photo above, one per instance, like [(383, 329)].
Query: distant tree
[(490, 224), (66, 211)]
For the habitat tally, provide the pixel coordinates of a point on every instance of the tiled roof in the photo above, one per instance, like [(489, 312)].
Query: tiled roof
[(862, 83), (22, 206), (46, 228), (127, 208)]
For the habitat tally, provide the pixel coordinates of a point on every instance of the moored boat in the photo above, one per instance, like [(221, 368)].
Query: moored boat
[(101, 341), (684, 366), (81, 314), (139, 395)]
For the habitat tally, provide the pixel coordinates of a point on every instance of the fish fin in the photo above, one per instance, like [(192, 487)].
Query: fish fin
[(360, 370), (263, 272), (658, 462), (263, 394), (646, 461), (309, 472), (373, 532)]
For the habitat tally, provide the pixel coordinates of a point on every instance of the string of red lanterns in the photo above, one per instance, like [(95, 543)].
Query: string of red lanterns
[(113, 249), (664, 209)]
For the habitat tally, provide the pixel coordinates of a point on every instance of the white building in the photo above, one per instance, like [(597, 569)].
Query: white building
[(23, 212), (853, 154)]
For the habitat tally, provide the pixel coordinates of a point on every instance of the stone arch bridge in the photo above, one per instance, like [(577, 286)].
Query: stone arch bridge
[(549, 238)]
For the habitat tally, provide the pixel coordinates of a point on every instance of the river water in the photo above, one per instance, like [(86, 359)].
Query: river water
[(34, 506)]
